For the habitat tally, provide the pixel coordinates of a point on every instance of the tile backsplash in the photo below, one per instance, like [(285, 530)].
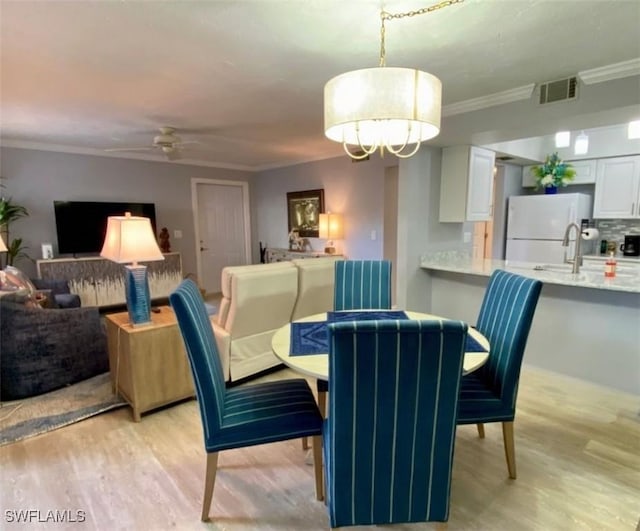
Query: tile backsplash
[(616, 229)]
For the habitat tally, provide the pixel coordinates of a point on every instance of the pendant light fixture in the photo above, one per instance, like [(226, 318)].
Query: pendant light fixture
[(582, 144), (563, 139), (385, 108)]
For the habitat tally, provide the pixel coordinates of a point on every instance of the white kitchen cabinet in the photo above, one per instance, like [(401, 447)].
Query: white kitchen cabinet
[(585, 173), (466, 184), (617, 191)]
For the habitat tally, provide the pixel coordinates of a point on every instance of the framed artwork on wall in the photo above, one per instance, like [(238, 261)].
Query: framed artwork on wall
[(304, 209)]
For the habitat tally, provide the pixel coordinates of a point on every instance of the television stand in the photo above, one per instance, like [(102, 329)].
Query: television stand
[(101, 282)]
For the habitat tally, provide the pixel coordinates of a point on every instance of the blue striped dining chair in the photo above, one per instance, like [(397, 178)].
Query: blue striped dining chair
[(359, 285), (389, 437), (362, 285), (245, 415), (489, 393)]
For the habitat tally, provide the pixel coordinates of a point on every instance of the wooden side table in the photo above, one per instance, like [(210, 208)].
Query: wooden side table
[(149, 365)]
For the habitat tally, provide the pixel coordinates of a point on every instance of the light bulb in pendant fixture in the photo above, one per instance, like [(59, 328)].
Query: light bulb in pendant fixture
[(563, 139), (582, 144)]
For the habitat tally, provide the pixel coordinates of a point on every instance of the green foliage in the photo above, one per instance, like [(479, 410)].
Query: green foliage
[(554, 172), (10, 212), (15, 251)]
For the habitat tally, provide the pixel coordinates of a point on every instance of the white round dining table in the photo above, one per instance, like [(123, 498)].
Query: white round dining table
[(317, 365)]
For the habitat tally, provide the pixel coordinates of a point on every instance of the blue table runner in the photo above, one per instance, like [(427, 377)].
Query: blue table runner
[(312, 337)]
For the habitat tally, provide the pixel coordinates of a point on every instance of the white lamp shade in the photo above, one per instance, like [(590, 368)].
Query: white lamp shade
[(3, 247), (331, 226), (130, 239), (383, 106)]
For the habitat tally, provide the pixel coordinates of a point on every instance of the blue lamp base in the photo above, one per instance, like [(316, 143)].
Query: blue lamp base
[(137, 295)]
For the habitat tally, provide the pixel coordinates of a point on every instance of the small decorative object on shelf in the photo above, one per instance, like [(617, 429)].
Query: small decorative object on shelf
[(263, 251), (553, 173), (295, 241), (163, 240)]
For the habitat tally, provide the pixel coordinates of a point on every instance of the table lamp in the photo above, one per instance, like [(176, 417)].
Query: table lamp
[(3, 247), (129, 240), (330, 227)]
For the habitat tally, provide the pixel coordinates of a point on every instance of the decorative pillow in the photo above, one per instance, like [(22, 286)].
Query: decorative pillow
[(57, 287)]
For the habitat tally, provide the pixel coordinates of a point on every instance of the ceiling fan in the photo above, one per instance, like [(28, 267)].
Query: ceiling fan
[(167, 142)]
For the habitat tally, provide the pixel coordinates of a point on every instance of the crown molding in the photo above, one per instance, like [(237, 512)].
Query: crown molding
[(491, 100), (610, 72)]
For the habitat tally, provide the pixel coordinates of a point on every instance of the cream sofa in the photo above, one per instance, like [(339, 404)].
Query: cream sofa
[(258, 299)]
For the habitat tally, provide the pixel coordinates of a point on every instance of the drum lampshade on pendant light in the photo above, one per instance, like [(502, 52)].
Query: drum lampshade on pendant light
[(385, 107)]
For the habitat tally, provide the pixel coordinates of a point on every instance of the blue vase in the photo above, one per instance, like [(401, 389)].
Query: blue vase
[(550, 189)]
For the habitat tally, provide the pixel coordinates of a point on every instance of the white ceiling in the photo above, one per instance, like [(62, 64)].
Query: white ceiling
[(245, 78)]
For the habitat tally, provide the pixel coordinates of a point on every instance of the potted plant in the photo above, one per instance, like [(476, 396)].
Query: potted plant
[(553, 173), (10, 212)]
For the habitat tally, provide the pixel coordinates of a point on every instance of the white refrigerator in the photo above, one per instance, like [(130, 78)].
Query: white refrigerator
[(536, 225)]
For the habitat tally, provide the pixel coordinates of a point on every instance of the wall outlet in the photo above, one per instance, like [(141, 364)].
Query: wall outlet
[(177, 234), (466, 237)]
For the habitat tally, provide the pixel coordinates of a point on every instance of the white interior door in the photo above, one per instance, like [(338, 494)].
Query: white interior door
[(223, 236)]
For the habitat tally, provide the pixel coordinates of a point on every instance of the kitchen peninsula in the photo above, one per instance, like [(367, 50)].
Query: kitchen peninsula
[(585, 326)]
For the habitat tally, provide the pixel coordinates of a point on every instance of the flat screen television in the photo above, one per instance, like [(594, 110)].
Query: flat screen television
[(81, 225)]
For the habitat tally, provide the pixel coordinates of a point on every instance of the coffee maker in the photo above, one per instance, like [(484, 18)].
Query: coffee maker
[(631, 245)]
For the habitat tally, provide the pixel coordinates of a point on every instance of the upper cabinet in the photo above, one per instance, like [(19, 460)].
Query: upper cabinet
[(466, 184), (617, 191), (585, 173)]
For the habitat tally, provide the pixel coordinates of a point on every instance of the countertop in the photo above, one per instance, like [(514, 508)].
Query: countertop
[(591, 276)]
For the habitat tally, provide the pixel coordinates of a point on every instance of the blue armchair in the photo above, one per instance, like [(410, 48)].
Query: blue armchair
[(240, 416), (489, 394), (389, 436)]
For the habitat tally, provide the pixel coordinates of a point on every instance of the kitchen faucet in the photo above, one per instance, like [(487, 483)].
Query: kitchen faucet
[(565, 243)]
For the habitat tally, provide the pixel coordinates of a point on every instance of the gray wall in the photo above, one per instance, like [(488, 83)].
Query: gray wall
[(35, 179), (355, 190), (419, 229)]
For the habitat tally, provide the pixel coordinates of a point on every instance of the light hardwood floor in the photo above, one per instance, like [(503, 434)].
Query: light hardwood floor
[(577, 450)]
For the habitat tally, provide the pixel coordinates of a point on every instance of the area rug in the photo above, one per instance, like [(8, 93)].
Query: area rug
[(20, 419)]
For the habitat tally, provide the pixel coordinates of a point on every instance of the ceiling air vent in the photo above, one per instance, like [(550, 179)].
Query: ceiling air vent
[(563, 89)]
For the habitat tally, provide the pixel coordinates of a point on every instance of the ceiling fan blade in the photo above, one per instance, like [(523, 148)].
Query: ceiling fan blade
[(130, 149)]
